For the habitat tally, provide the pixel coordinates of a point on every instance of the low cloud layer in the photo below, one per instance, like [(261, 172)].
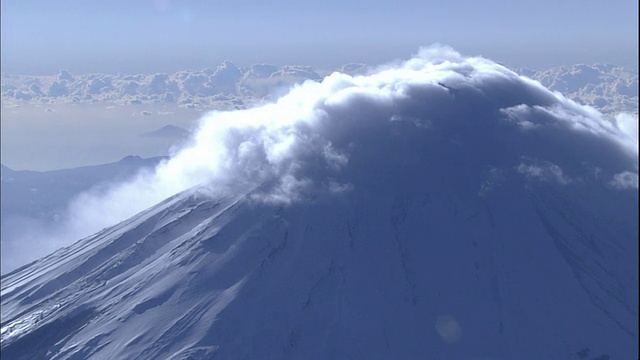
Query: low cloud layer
[(606, 87), (327, 138), (226, 87)]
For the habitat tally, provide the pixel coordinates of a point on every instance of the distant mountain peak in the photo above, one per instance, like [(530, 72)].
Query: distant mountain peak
[(168, 131), (131, 158)]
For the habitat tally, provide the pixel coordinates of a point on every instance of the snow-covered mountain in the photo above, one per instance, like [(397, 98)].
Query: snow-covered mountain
[(443, 209)]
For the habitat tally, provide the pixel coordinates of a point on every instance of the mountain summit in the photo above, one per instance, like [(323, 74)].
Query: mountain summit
[(442, 208)]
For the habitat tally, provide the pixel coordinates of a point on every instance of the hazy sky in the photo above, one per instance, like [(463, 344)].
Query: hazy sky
[(42, 36)]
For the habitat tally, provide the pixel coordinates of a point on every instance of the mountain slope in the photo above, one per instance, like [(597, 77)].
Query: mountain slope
[(468, 214)]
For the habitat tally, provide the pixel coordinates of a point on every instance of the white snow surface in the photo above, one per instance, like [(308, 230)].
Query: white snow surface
[(441, 208)]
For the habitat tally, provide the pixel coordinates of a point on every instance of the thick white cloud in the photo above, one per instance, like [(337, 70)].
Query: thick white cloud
[(628, 123), (327, 137)]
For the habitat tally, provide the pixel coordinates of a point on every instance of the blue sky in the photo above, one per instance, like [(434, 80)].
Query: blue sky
[(40, 37)]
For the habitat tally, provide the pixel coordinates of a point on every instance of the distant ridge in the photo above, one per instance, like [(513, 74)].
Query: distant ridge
[(35, 199)]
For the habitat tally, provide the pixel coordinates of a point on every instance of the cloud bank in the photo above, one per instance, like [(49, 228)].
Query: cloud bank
[(327, 138), (609, 88), (606, 87)]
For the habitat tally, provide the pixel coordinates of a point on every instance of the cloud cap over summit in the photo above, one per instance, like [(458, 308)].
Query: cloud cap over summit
[(317, 126)]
